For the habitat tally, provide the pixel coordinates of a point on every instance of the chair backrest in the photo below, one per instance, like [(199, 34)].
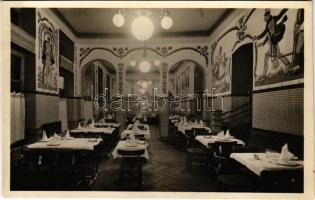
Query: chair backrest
[(110, 120), (51, 128), (224, 148), (200, 131), (139, 136), (136, 153)]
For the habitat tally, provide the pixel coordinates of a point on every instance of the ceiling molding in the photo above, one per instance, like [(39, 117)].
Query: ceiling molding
[(80, 35)]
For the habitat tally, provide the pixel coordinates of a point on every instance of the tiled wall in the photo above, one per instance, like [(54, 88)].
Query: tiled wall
[(280, 111)]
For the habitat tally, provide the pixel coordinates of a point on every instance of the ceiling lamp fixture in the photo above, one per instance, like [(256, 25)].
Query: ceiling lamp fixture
[(166, 21), (157, 62), (144, 66), (144, 84), (132, 63), (119, 19), (142, 27)]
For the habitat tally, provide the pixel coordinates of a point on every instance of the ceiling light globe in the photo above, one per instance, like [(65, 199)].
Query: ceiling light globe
[(144, 66), (118, 20), (142, 28), (157, 62), (166, 22), (133, 63), (144, 85)]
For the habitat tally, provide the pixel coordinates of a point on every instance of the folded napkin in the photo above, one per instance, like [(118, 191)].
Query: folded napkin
[(201, 123), (221, 134), (67, 134), (79, 126), (196, 122), (285, 155), (44, 137), (227, 134), (91, 125), (56, 136)]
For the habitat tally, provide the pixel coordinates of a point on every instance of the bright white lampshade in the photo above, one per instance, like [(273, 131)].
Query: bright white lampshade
[(157, 62), (144, 85), (142, 91), (142, 28), (166, 22), (133, 63), (144, 66), (118, 20)]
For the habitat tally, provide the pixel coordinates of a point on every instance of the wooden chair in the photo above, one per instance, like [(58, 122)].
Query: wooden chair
[(200, 131), (221, 155), (230, 177), (131, 168), (196, 155)]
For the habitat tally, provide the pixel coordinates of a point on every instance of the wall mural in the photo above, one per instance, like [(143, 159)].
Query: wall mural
[(278, 37), (47, 54), (279, 49)]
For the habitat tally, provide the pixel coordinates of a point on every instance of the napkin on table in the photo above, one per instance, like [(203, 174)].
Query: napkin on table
[(44, 137), (67, 134), (227, 134), (285, 155), (79, 126), (220, 134), (201, 123), (56, 136)]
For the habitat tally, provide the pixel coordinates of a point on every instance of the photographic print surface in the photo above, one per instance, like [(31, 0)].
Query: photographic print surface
[(202, 101)]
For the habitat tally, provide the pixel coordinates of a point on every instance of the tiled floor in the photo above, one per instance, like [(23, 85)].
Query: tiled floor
[(165, 171)]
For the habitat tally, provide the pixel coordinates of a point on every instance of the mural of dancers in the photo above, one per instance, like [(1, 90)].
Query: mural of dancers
[(273, 34)]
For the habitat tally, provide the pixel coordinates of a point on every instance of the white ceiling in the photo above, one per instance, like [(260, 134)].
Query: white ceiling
[(87, 21)]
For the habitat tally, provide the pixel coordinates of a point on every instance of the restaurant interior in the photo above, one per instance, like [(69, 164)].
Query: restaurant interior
[(157, 99)]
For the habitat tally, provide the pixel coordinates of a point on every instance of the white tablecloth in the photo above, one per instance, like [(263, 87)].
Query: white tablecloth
[(93, 130), (205, 140), (75, 144), (264, 163), (146, 133), (123, 145), (182, 128), (115, 125)]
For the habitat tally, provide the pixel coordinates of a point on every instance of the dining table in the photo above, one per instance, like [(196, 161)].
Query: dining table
[(61, 145), (66, 143), (266, 162), (105, 124), (106, 130), (205, 140), (128, 145), (182, 127)]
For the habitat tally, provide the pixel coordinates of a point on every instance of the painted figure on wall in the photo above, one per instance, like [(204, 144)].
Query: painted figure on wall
[(221, 71), (48, 61), (273, 34), (47, 52), (298, 48)]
